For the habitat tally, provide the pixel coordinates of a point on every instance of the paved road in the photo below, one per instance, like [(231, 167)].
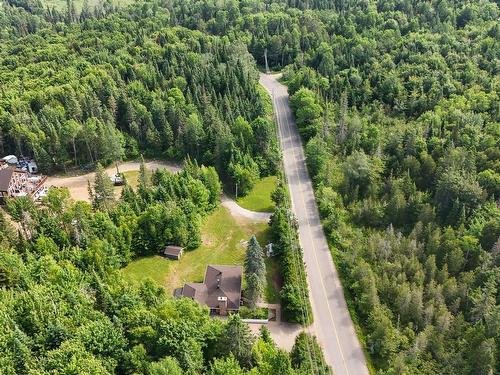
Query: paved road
[(237, 210), (332, 323)]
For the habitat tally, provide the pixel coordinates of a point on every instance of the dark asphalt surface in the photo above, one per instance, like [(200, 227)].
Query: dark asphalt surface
[(332, 323)]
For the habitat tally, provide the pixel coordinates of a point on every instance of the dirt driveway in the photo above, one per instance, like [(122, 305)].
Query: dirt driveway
[(77, 185), (236, 210)]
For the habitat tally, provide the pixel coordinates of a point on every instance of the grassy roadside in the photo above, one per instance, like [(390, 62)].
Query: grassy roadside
[(266, 101), (259, 198), (273, 281)]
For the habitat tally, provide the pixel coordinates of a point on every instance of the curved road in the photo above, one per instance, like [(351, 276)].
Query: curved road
[(77, 186), (332, 323)]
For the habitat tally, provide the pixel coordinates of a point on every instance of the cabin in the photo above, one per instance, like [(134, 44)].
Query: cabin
[(13, 183), (173, 252), (220, 289)]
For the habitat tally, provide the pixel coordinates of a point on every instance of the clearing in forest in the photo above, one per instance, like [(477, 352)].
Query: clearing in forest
[(224, 241)]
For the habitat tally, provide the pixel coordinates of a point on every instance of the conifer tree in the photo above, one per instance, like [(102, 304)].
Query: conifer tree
[(102, 194), (143, 176), (255, 271), (253, 290), (254, 262)]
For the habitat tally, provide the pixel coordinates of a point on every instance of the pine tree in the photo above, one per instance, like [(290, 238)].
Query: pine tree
[(307, 356), (143, 176), (342, 124), (255, 271), (71, 131), (254, 262), (210, 179), (86, 13), (71, 11), (253, 290), (103, 193)]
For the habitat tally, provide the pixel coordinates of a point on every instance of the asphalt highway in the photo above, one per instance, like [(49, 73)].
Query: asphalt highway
[(332, 323)]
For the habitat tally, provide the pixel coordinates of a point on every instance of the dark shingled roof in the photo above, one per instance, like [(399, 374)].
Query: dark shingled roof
[(220, 281), (5, 177), (172, 250)]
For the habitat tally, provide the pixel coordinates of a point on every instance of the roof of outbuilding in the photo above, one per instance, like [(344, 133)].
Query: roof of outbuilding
[(172, 250)]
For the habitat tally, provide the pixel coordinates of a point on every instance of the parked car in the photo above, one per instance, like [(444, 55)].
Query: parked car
[(118, 179)]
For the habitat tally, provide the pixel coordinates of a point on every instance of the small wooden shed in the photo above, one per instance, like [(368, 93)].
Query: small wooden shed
[(173, 252)]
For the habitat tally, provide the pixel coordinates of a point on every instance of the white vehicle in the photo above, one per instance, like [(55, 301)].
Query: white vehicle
[(32, 167), (117, 179)]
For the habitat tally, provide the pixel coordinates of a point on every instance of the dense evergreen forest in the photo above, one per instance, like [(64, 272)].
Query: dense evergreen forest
[(398, 104), (111, 87), (401, 121)]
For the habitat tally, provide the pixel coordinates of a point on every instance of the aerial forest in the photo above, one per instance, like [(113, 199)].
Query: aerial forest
[(398, 106)]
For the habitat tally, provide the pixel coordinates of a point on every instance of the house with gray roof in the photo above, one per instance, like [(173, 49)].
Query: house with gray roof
[(220, 289)]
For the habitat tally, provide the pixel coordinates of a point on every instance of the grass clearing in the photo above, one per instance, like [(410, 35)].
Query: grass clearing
[(259, 198), (156, 267), (223, 242), (132, 178)]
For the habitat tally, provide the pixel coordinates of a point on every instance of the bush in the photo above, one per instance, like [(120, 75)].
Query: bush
[(257, 313)]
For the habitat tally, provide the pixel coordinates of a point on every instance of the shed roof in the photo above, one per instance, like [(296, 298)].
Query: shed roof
[(172, 250)]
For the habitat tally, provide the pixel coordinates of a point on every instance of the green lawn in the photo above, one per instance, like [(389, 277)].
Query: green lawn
[(156, 267), (259, 199), (224, 242), (273, 279), (132, 177)]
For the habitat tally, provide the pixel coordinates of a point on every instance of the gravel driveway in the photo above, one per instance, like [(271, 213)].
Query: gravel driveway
[(237, 210), (77, 185)]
